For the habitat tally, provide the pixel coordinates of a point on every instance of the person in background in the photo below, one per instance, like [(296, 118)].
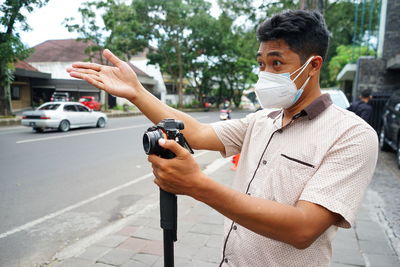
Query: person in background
[(362, 107)]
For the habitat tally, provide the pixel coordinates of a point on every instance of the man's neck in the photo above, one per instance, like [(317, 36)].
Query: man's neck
[(306, 99)]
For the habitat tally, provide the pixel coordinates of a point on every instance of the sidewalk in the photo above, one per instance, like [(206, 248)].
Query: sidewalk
[(200, 239)]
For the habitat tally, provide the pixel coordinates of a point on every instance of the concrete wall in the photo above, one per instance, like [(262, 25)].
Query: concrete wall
[(373, 73), (391, 44)]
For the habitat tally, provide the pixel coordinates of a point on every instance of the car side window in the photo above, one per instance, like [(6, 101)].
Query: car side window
[(82, 108), (70, 108)]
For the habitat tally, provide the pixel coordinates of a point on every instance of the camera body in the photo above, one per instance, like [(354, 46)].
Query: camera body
[(167, 129)]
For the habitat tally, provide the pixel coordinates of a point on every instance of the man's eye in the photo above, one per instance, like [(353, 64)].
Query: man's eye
[(276, 63), (260, 63)]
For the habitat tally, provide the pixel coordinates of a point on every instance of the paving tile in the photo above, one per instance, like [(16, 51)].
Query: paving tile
[(383, 260), (178, 262), (368, 230), (184, 250), (146, 259), (337, 264), (133, 244), (149, 233), (195, 239), (377, 247), (127, 231), (111, 241), (350, 257), (117, 256), (208, 255), (132, 263), (215, 241), (99, 264), (73, 262), (197, 263), (207, 229), (93, 253), (153, 247)]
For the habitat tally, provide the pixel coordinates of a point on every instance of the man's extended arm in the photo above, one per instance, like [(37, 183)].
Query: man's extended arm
[(120, 80)]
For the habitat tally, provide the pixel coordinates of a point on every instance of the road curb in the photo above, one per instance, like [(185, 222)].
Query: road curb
[(10, 121)]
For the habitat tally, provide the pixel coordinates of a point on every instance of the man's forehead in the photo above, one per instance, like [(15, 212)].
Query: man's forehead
[(274, 47)]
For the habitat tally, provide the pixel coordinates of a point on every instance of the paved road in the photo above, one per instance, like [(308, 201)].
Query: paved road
[(57, 188)]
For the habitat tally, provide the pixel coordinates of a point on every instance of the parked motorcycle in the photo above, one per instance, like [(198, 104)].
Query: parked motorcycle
[(225, 114)]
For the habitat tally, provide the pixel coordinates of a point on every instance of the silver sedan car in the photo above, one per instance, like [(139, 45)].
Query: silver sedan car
[(63, 116)]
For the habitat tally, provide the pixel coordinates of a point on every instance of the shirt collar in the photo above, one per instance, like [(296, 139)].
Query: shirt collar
[(311, 111)]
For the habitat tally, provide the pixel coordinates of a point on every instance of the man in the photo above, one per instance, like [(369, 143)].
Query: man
[(303, 169), (361, 106)]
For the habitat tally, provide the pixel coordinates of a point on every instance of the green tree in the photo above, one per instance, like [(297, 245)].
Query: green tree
[(11, 47)]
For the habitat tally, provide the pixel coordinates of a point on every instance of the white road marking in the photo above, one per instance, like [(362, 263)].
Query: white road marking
[(81, 203), (79, 134)]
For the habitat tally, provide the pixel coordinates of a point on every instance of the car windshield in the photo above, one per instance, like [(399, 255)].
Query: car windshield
[(338, 100), (84, 99), (49, 107)]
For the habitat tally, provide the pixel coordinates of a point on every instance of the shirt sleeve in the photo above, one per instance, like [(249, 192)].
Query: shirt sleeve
[(342, 178), (231, 133)]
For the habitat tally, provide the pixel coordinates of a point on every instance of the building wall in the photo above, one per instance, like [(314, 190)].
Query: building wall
[(373, 73), (391, 42), (57, 69), (24, 102)]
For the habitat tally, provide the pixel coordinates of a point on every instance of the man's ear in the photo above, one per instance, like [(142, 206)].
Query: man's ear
[(316, 65)]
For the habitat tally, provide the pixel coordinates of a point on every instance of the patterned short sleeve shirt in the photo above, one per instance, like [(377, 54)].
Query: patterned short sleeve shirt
[(326, 155)]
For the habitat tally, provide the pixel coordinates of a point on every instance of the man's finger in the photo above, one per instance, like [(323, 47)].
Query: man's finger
[(86, 65), (173, 146), (112, 58), (89, 78)]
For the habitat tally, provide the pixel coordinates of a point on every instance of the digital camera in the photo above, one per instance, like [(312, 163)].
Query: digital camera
[(167, 129)]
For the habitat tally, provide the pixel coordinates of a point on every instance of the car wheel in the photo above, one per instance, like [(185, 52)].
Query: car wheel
[(64, 126), (382, 143), (38, 130), (101, 123)]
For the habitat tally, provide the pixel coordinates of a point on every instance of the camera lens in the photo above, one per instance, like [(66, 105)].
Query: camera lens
[(150, 142)]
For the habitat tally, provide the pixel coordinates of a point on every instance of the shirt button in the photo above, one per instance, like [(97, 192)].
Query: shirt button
[(264, 162), (234, 227), (226, 260)]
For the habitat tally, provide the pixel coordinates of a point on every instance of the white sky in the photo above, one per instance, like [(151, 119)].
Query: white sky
[(46, 22)]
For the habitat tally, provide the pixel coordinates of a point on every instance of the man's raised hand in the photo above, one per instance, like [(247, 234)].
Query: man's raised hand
[(118, 80)]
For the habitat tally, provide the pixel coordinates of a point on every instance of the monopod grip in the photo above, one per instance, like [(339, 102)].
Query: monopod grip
[(168, 212)]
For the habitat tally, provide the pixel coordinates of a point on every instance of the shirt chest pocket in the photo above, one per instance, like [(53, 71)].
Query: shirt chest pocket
[(287, 178)]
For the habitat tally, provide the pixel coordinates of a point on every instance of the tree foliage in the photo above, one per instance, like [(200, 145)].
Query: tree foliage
[(207, 55), (11, 47)]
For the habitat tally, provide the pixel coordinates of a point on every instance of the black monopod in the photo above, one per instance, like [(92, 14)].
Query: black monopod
[(169, 129)]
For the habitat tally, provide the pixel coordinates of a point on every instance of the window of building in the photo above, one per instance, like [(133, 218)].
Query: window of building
[(15, 93)]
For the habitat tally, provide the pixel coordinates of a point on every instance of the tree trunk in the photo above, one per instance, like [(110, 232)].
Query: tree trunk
[(5, 101), (6, 78)]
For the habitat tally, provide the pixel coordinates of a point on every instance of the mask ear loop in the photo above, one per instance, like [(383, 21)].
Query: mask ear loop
[(302, 68)]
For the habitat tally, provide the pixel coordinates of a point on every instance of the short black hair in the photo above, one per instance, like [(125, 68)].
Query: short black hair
[(304, 31), (366, 93)]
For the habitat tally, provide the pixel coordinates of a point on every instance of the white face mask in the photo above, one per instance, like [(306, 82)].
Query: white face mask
[(277, 90)]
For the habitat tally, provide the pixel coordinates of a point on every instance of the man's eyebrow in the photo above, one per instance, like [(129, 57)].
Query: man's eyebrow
[(258, 54), (274, 53)]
